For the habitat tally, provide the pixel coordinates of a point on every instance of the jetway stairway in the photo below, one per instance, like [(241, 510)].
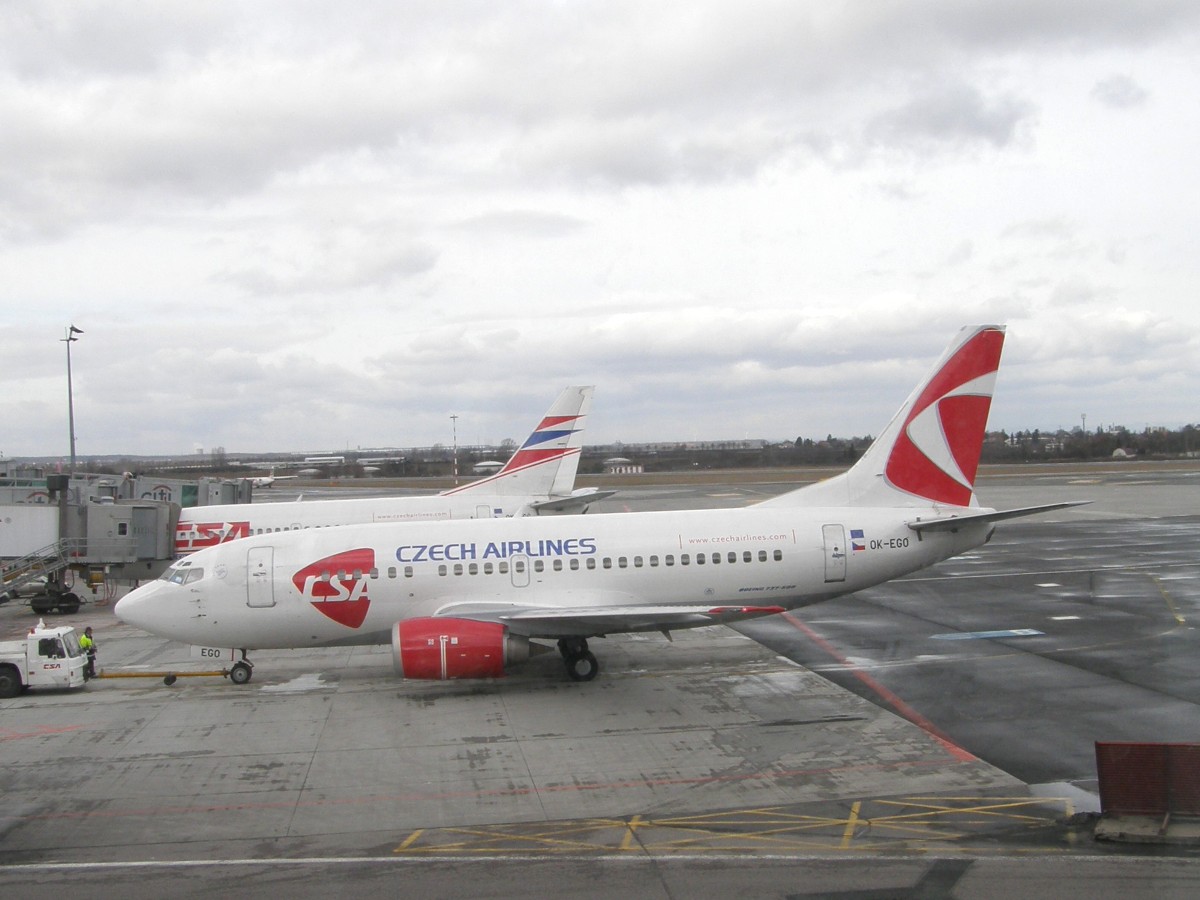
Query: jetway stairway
[(43, 567)]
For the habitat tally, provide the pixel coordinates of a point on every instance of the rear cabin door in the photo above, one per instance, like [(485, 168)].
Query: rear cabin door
[(835, 553), (260, 577)]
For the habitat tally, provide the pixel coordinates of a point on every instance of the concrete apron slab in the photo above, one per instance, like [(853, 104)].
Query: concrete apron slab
[(326, 749)]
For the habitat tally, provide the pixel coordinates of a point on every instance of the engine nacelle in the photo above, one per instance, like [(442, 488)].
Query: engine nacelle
[(440, 649)]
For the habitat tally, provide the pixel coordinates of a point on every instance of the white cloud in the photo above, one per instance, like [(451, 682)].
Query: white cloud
[(317, 225)]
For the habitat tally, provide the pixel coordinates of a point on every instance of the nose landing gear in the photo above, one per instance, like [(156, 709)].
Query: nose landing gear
[(241, 670)]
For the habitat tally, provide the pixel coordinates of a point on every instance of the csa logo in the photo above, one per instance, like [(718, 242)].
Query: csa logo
[(336, 586), (937, 453), (191, 536)]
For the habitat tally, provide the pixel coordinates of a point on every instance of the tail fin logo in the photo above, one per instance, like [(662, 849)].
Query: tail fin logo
[(549, 440), (336, 586), (936, 454)]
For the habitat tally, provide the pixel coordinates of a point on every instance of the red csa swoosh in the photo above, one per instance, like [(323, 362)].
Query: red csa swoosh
[(962, 420), (344, 600)]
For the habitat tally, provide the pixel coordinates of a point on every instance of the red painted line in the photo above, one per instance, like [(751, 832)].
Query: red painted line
[(7, 734), (888, 697)]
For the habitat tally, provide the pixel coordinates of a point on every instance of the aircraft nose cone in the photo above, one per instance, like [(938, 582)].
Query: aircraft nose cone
[(137, 608)]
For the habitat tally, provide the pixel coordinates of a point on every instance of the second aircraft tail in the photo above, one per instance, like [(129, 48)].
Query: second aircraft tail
[(546, 463)]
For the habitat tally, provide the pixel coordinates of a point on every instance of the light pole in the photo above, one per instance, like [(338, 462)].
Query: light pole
[(454, 426), (68, 340)]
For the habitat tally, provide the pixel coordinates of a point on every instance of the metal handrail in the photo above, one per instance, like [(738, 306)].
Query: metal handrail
[(47, 561)]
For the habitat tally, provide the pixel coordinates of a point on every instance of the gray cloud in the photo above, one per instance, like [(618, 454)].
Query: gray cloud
[(1119, 92), (333, 224)]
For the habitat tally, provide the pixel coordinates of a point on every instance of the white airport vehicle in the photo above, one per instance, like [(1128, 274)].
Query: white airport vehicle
[(538, 478), (47, 657), (468, 599)]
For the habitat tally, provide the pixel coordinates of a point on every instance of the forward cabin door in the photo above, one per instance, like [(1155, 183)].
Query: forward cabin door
[(260, 580), (835, 553)]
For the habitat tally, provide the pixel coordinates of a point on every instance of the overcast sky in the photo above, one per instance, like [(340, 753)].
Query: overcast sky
[(321, 226)]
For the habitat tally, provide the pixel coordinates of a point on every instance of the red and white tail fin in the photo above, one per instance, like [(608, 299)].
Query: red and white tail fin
[(928, 454), (546, 463)]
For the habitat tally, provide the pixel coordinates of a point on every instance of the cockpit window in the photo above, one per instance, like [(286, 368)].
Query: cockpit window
[(184, 573)]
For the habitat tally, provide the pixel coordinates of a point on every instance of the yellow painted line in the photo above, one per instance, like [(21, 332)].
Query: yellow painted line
[(1170, 602), (991, 810), (410, 840), (851, 823), (918, 823), (627, 841)]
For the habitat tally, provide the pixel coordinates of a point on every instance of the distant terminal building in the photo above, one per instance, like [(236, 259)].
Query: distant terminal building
[(619, 465)]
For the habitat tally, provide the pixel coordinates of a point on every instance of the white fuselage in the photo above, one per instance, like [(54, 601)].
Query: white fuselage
[(207, 526), (350, 585)]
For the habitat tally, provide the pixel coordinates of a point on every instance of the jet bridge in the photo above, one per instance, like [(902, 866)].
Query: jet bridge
[(56, 545)]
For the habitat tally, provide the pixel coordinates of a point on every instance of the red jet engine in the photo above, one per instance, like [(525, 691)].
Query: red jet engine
[(441, 649)]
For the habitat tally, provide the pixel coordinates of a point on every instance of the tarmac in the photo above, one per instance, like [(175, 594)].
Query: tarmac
[(711, 760)]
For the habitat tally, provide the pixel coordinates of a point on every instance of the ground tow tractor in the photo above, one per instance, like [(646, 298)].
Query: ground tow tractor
[(46, 657)]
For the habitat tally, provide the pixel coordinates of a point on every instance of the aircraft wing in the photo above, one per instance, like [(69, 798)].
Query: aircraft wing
[(577, 501), (949, 523), (601, 618)]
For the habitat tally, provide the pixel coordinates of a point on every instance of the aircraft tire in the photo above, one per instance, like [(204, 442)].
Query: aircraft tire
[(240, 673), (583, 667)]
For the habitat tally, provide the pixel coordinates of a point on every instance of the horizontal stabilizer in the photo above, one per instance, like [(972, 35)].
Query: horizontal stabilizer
[(950, 523), (575, 502)]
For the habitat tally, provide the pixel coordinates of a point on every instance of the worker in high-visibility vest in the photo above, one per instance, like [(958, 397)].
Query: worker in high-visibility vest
[(88, 644)]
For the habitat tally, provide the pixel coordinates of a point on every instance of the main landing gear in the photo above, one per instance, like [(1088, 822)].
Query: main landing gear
[(242, 670), (581, 664)]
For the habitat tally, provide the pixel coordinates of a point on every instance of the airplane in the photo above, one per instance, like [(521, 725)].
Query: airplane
[(470, 599), (265, 481), (538, 479)]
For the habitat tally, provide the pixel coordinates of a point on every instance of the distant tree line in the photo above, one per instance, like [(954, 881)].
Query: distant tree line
[(999, 447)]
